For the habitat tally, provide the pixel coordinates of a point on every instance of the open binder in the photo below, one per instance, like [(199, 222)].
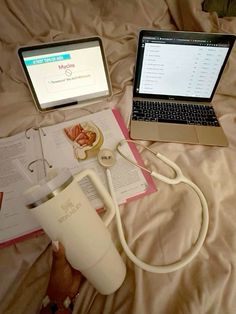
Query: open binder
[(28, 156)]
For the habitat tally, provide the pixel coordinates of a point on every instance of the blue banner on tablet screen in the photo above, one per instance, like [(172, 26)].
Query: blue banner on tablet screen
[(48, 59)]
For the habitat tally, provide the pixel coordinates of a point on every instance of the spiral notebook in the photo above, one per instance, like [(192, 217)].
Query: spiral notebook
[(27, 157)]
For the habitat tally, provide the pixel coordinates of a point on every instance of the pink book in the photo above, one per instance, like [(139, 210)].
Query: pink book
[(73, 144)]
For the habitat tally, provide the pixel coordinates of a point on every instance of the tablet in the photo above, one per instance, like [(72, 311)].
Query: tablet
[(66, 73)]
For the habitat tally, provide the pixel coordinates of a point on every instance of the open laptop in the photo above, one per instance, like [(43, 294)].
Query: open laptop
[(175, 80), (66, 73)]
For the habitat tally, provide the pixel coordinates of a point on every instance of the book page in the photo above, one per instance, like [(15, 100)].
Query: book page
[(16, 154), (75, 145)]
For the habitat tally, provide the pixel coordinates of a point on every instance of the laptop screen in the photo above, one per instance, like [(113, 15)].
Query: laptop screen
[(66, 73), (178, 65)]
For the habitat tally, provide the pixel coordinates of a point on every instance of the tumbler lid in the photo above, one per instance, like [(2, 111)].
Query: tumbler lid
[(55, 182)]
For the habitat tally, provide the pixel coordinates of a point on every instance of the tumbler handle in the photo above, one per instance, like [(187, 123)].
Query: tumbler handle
[(103, 193)]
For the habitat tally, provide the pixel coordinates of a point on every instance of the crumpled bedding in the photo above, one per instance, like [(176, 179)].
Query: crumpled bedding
[(161, 227)]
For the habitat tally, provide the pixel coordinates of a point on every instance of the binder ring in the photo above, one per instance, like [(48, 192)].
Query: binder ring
[(36, 160), (28, 129)]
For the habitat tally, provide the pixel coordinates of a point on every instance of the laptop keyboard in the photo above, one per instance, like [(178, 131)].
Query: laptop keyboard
[(174, 113)]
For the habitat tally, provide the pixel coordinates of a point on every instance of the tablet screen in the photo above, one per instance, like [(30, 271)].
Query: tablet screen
[(66, 73)]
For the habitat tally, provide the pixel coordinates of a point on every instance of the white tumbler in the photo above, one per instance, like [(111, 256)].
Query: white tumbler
[(66, 215)]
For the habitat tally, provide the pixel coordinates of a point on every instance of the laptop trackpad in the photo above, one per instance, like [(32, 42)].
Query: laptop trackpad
[(177, 133), (163, 132)]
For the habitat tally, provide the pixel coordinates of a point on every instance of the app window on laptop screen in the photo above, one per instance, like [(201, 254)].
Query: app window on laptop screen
[(176, 76), (182, 67), (65, 73), (181, 70)]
